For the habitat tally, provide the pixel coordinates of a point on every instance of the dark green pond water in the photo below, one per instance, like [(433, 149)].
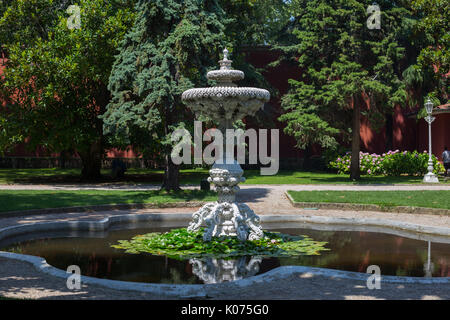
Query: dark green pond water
[(350, 251)]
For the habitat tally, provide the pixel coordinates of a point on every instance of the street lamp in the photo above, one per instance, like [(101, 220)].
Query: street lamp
[(430, 177)]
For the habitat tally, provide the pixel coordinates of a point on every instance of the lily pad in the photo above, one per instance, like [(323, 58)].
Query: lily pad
[(181, 244)]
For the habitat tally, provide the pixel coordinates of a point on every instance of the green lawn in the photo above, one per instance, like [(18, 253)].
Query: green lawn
[(426, 199), (194, 176), (12, 200)]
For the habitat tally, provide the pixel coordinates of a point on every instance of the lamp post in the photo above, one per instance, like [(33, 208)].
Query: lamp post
[(430, 177)]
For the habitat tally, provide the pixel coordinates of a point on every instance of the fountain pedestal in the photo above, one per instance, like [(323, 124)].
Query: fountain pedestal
[(226, 103), (226, 217)]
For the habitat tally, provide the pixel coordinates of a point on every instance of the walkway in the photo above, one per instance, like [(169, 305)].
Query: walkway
[(263, 199)]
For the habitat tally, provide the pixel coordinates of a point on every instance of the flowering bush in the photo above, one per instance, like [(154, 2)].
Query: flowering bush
[(392, 163)]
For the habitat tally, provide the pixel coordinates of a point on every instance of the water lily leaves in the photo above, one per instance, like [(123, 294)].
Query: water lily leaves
[(181, 244)]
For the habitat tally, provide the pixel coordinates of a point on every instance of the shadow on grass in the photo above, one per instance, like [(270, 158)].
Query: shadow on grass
[(55, 175), (366, 180), (30, 199), (193, 177)]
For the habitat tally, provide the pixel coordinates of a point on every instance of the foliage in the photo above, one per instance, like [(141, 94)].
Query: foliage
[(392, 163), (169, 50), (345, 67), (55, 78), (256, 22), (181, 244), (435, 54)]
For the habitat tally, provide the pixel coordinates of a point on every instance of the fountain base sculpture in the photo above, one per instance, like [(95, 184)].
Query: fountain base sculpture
[(226, 103), (226, 217)]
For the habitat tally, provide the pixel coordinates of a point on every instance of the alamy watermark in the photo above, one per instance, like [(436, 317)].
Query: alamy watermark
[(74, 280), (234, 139), (374, 281), (374, 20), (74, 21)]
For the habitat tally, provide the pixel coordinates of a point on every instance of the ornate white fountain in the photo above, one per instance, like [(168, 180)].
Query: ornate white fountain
[(226, 103)]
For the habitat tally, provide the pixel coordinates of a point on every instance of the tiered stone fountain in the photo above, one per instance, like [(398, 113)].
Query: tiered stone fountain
[(226, 103)]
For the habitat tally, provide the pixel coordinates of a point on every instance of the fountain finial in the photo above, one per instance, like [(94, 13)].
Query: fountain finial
[(225, 54), (225, 64)]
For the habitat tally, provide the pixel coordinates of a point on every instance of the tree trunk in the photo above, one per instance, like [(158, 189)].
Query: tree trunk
[(92, 162), (64, 156), (172, 171), (62, 159), (355, 173), (171, 176), (307, 158)]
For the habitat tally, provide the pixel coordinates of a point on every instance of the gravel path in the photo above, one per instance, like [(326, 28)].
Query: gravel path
[(21, 280)]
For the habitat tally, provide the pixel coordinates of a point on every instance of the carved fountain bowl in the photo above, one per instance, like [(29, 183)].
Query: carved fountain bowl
[(227, 177), (230, 103)]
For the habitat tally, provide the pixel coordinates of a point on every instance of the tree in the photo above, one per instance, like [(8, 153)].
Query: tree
[(256, 22), (348, 69), (169, 50), (434, 57), (56, 75)]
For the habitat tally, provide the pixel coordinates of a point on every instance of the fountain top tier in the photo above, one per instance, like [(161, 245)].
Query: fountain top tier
[(225, 102)]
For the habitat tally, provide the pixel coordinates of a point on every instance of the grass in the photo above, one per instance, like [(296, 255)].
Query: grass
[(307, 177), (13, 200), (420, 198), (194, 176)]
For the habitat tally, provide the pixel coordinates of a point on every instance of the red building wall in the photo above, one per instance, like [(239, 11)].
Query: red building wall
[(407, 132), (440, 134), (278, 78), (404, 130)]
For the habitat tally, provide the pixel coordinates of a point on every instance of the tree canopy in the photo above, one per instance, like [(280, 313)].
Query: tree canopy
[(347, 70), (169, 50), (55, 77), (434, 57)]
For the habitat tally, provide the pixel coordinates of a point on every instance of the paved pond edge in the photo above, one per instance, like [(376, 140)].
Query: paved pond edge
[(200, 290)]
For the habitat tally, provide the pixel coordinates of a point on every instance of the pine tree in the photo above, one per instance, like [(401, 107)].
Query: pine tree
[(346, 67), (169, 50)]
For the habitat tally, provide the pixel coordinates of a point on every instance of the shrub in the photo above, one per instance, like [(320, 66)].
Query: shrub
[(392, 163)]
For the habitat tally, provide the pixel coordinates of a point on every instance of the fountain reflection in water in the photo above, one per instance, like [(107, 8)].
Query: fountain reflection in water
[(212, 270)]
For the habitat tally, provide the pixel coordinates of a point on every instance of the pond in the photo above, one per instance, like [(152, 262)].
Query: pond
[(349, 250)]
